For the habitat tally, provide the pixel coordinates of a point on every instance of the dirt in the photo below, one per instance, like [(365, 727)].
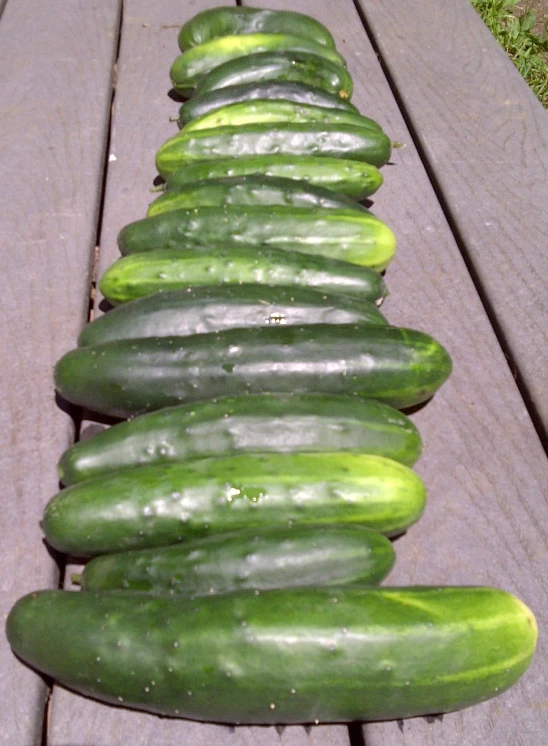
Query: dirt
[(541, 8)]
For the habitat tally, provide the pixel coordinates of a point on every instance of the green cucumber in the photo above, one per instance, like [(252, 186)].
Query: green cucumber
[(192, 66), (159, 505), (255, 112), (290, 66), (355, 179), (286, 656), (253, 189), (212, 308), (283, 138), (352, 235), (401, 367), (227, 21), (201, 104), (279, 557), (261, 422), (150, 272)]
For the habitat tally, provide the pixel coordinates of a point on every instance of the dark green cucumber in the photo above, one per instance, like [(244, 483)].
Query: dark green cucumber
[(283, 138), (279, 557), (355, 179), (159, 505), (352, 235), (262, 423), (283, 656), (190, 67), (253, 189), (401, 367), (150, 272), (202, 104), (260, 111), (227, 21), (290, 66), (212, 308)]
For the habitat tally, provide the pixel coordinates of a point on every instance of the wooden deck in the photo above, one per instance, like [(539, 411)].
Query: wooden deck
[(467, 200)]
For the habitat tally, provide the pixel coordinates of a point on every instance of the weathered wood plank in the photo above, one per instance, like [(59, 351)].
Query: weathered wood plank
[(55, 92), (485, 137)]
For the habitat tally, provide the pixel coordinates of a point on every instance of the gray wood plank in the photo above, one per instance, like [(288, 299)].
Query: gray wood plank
[(485, 137), (55, 92)]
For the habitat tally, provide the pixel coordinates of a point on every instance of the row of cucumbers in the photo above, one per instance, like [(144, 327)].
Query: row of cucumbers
[(237, 519)]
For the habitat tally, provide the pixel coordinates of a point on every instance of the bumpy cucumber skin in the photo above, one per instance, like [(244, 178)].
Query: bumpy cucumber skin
[(252, 189), (283, 138), (355, 179), (272, 558), (223, 21), (149, 506), (190, 67), (260, 423), (401, 367), (282, 66), (282, 656), (351, 235), (201, 104), (139, 275)]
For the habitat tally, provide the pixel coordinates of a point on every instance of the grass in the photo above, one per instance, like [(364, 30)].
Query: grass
[(514, 28)]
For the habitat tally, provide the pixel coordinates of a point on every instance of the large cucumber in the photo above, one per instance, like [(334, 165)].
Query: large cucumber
[(253, 189), (148, 506), (355, 179), (279, 557), (259, 111), (352, 235), (289, 66), (205, 103), (401, 367), (190, 67), (282, 656), (227, 21), (261, 423), (163, 270), (282, 138)]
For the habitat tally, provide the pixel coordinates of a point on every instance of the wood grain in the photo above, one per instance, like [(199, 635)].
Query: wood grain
[(55, 91)]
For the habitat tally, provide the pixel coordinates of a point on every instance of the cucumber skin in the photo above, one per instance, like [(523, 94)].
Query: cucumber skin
[(223, 21), (265, 423), (283, 656), (289, 66), (355, 179), (192, 66), (252, 189), (401, 367), (283, 138), (283, 557), (159, 505), (201, 104), (139, 275), (351, 235)]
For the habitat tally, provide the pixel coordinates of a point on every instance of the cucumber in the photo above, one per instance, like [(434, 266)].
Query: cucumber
[(227, 21), (255, 112), (283, 656), (283, 138), (352, 235), (159, 505), (253, 189), (212, 308), (142, 274), (401, 367), (355, 179), (192, 66), (201, 104), (289, 66), (261, 422), (280, 557)]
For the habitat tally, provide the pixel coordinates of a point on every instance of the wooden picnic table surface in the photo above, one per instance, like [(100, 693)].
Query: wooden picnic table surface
[(84, 106)]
